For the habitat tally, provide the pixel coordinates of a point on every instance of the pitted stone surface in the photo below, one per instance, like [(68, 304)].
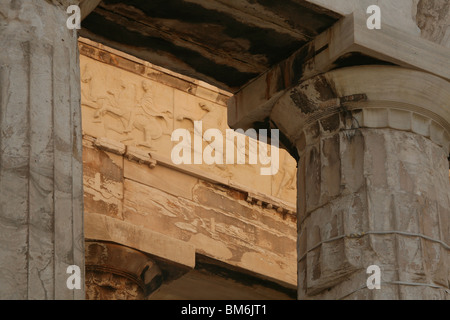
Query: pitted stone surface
[(41, 204), (389, 209), (433, 18)]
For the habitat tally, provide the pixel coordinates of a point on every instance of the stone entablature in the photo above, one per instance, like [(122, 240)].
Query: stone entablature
[(373, 174), (142, 106), (370, 96), (136, 196)]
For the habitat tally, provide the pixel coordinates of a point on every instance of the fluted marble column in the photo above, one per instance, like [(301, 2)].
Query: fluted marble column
[(41, 198), (373, 182)]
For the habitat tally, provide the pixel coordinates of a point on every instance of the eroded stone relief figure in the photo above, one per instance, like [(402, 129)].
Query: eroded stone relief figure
[(288, 171), (145, 118), (244, 146), (212, 119), (119, 106), (92, 89), (137, 121), (139, 112)]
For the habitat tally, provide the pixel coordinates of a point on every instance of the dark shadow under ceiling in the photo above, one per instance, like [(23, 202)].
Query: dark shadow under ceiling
[(224, 42)]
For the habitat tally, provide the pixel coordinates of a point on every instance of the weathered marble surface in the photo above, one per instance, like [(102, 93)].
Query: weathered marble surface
[(428, 18), (398, 13), (433, 18), (373, 197), (229, 213), (139, 105), (115, 272), (211, 219), (41, 195), (373, 181)]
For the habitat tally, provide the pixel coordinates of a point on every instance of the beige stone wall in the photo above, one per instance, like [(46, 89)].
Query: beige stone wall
[(227, 212)]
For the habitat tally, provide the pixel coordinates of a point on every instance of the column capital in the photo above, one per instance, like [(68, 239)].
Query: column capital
[(114, 272), (346, 43), (366, 96)]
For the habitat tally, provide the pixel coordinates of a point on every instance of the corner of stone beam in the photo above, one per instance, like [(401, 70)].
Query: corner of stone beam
[(87, 6)]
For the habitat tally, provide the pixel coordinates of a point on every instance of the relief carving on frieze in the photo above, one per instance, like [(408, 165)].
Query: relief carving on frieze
[(123, 109), (141, 112)]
